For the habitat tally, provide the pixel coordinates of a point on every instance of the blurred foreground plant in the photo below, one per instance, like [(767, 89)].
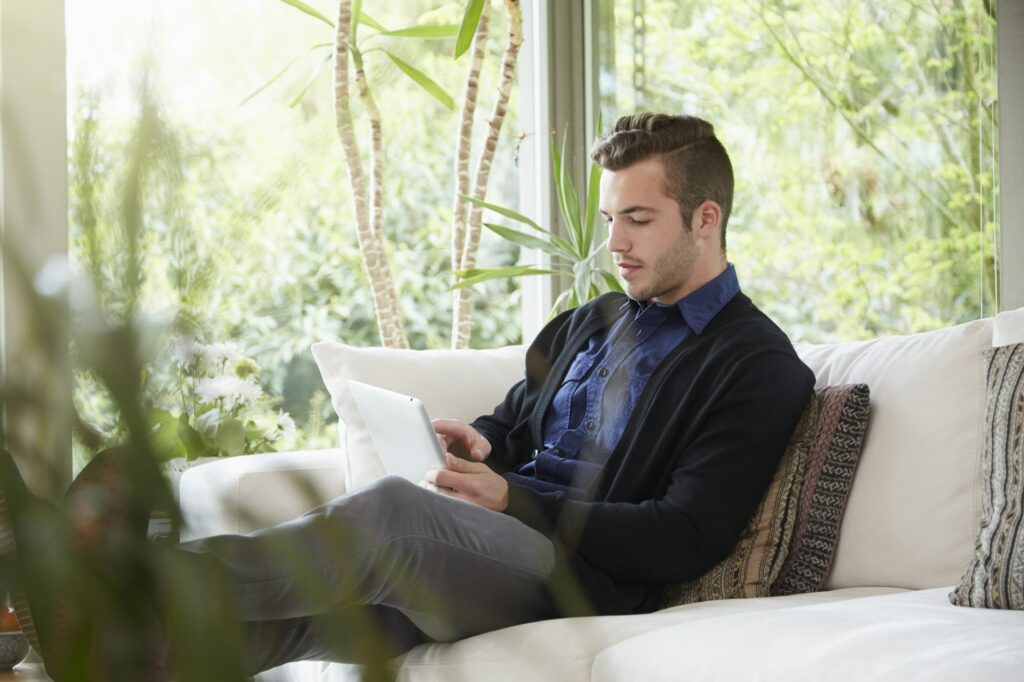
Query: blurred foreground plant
[(106, 603)]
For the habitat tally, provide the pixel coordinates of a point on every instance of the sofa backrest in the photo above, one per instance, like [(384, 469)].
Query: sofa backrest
[(913, 509), (914, 506)]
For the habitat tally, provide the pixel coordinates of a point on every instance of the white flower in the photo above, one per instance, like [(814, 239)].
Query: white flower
[(283, 427), (232, 390), (217, 354), (186, 352)]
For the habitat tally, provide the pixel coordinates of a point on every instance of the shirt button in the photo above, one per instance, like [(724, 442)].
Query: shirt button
[(590, 425), (603, 372)]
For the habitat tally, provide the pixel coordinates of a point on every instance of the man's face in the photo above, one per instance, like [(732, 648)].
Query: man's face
[(656, 254)]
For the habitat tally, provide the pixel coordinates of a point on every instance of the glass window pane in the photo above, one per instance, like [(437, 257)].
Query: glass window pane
[(863, 138), (247, 228)]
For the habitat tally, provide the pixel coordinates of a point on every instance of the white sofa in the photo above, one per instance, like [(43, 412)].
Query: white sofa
[(906, 537)]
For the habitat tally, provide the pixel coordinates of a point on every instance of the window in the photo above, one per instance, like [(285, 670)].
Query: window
[(247, 228), (863, 136)]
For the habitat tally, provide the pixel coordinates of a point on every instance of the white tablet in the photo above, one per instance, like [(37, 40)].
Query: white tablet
[(401, 431)]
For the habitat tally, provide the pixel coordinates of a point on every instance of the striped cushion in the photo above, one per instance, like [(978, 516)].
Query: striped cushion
[(790, 541), (831, 465), (995, 576)]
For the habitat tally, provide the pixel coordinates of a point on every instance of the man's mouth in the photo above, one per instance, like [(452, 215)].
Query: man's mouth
[(627, 269)]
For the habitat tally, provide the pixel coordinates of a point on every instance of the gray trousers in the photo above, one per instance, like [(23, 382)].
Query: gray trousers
[(373, 573)]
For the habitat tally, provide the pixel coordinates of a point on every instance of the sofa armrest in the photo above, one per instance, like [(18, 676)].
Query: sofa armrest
[(245, 493)]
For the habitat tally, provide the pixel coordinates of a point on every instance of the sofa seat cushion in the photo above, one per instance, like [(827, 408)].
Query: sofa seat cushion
[(915, 635), (560, 650)]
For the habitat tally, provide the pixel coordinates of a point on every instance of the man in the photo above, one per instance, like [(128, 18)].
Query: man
[(637, 447)]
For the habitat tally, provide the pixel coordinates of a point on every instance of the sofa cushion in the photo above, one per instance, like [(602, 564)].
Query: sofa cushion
[(562, 649), (911, 515), (831, 464), (457, 384), (916, 635), (995, 576)]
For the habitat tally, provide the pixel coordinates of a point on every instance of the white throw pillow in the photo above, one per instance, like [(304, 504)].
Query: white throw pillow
[(456, 384), (912, 513)]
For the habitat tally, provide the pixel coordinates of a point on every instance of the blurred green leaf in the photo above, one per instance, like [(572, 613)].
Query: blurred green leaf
[(194, 444), (477, 275), (423, 80), (437, 31), (303, 7), (367, 20), (309, 82), (525, 240), (470, 20), (507, 212), (231, 437)]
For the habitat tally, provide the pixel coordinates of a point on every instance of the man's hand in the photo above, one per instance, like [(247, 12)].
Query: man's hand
[(470, 481), (462, 439)]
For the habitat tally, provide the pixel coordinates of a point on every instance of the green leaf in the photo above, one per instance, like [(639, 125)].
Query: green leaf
[(436, 31), (561, 178), (280, 73), (611, 281), (303, 7), (560, 246), (470, 20), (593, 196), (507, 212), (231, 437), (477, 275), (194, 444), (525, 240), (354, 26), (309, 82), (366, 19), (424, 81), (164, 435), (559, 302)]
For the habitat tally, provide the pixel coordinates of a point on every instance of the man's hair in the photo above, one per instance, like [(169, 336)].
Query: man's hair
[(697, 167)]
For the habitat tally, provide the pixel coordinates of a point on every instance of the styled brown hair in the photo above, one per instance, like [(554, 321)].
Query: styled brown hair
[(697, 167)]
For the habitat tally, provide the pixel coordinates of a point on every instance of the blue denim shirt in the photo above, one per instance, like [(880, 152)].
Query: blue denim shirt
[(589, 412)]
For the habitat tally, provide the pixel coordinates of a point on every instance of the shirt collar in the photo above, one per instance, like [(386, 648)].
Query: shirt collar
[(700, 306)]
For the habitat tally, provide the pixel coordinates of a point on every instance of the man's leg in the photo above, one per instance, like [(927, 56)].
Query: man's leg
[(357, 634), (451, 568)]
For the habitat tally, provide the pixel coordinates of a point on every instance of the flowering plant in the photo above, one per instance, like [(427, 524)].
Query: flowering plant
[(223, 409)]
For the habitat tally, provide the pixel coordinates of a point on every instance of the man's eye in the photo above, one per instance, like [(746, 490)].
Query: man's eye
[(640, 222)]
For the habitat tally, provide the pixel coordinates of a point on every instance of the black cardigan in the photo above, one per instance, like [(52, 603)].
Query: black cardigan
[(697, 455)]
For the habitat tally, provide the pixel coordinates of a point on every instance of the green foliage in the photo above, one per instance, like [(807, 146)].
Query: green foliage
[(576, 257), (863, 139), (246, 220)]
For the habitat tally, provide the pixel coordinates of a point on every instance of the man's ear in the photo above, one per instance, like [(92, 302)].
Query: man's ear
[(707, 218)]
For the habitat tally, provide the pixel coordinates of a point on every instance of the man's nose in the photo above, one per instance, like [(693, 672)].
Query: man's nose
[(616, 239)]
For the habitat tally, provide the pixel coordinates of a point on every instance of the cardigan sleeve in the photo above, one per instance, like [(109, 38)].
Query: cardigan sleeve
[(713, 490)]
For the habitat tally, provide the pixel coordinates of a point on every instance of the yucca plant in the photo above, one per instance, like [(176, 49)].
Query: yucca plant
[(575, 256)]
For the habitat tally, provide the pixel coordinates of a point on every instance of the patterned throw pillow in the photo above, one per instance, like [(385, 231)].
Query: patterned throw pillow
[(831, 464), (994, 578), (799, 513)]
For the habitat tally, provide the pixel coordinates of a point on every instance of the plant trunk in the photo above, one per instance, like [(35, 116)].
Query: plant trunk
[(462, 322), (377, 205), (371, 246), (464, 150)]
